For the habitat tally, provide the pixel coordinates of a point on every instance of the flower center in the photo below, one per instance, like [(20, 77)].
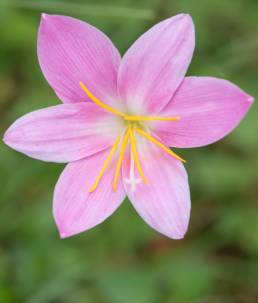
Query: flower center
[(134, 125)]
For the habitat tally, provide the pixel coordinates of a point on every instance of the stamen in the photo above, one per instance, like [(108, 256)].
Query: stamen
[(100, 103), (120, 114), (162, 146), (105, 165), (129, 134), (136, 158), (121, 156), (150, 118)]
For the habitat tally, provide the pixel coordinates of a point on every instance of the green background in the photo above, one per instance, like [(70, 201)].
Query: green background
[(123, 260)]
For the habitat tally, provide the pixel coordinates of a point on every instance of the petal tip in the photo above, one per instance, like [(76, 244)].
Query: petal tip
[(183, 18), (68, 231), (6, 138), (174, 234), (63, 234), (247, 102), (186, 17), (45, 16), (179, 236), (250, 99)]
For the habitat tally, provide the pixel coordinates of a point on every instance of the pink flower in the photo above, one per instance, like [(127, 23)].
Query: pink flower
[(117, 118)]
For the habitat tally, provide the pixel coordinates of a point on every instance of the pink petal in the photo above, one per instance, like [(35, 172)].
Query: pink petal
[(70, 51), (209, 108), (164, 202), (75, 209), (63, 133), (155, 65)]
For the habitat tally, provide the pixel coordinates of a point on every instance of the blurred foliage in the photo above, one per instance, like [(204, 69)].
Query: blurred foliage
[(123, 260)]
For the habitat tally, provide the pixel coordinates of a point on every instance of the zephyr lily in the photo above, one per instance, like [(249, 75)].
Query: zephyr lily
[(118, 118)]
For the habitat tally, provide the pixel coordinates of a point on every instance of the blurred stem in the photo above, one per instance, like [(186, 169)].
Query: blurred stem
[(81, 9)]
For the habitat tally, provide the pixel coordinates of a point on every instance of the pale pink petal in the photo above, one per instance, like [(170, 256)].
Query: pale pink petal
[(70, 51), (75, 209), (209, 109), (155, 65), (63, 133), (164, 202)]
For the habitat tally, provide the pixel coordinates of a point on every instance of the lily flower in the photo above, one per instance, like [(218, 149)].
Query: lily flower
[(118, 119)]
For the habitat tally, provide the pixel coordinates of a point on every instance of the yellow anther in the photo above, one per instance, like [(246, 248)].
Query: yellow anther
[(155, 141), (136, 158), (150, 118), (100, 103), (121, 156), (105, 165)]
